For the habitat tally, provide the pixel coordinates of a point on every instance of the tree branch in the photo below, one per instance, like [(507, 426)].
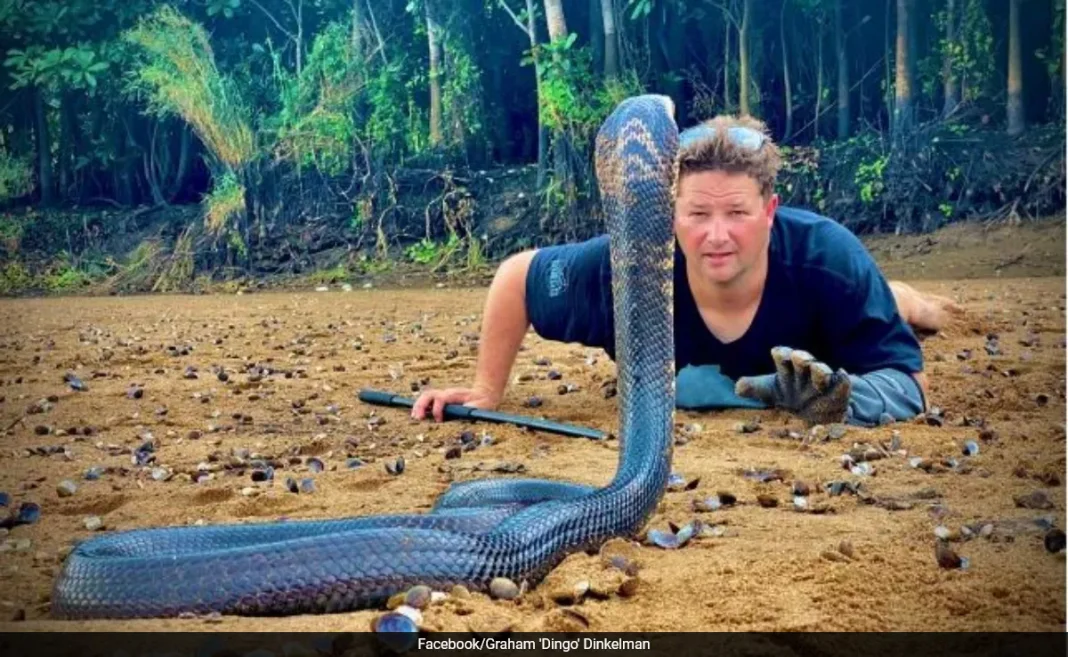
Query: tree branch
[(504, 5), (378, 35), (274, 20), (727, 12)]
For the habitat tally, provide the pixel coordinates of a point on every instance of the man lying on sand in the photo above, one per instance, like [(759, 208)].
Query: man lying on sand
[(774, 306)]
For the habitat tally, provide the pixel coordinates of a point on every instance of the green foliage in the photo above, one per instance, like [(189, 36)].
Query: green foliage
[(971, 53), (73, 67), (428, 251), (572, 98), (394, 122), (176, 74), (224, 203), (1052, 56), (14, 277), (316, 126), (461, 92), (223, 7), (869, 179), (16, 176)]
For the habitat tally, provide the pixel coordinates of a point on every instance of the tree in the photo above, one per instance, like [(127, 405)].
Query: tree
[(1015, 106), (843, 71), (527, 23), (611, 54), (904, 82), (788, 92), (433, 38), (950, 83)]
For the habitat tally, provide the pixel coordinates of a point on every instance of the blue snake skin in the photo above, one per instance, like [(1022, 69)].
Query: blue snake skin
[(519, 529)]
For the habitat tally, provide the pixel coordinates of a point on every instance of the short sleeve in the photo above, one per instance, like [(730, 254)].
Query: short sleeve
[(568, 293), (862, 328)]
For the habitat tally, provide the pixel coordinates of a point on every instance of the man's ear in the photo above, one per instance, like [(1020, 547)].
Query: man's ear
[(771, 207)]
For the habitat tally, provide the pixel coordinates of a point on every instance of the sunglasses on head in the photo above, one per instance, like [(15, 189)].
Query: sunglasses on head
[(739, 135)]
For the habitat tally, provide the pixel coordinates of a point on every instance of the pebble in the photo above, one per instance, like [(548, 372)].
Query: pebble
[(460, 592), (767, 501), (947, 558), (1034, 500), (418, 597), (1054, 540), (94, 523), (503, 588), (66, 488)]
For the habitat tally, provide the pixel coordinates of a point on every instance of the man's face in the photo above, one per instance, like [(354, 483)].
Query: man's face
[(723, 224)]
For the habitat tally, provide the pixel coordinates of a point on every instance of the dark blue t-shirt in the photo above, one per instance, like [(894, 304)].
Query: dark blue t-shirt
[(824, 294)]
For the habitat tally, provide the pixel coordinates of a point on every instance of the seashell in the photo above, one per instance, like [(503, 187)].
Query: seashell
[(671, 540)]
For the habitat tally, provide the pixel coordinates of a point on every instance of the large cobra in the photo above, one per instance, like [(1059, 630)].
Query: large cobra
[(478, 530)]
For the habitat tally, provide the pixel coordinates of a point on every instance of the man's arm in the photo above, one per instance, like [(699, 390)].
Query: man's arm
[(868, 337), (557, 290), (504, 323), (869, 367)]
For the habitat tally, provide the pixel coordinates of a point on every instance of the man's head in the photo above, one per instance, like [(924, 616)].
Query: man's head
[(724, 197)]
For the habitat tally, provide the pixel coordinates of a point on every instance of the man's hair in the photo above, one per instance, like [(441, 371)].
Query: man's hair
[(712, 149)]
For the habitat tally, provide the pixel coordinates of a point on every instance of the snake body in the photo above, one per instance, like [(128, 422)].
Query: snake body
[(519, 529)]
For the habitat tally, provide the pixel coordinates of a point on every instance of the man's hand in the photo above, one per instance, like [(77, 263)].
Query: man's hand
[(435, 400), (802, 385)]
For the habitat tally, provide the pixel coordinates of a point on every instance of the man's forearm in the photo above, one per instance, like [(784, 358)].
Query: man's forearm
[(504, 324)]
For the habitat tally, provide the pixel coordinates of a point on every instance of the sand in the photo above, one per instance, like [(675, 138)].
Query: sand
[(762, 569)]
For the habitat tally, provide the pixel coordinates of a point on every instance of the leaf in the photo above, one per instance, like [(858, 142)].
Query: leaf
[(91, 79), (97, 67)]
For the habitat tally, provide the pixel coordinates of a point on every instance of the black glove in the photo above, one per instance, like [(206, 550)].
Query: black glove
[(802, 385)]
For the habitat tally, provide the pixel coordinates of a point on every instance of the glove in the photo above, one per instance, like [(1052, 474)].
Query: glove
[(802, 385)]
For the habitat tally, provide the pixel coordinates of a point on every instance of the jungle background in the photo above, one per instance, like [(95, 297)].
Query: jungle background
[(188, 144)]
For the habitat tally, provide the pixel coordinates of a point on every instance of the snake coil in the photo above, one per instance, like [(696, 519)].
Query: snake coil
[(518, 529)]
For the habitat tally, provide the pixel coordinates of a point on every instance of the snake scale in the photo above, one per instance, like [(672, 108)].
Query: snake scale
[(519, 529)]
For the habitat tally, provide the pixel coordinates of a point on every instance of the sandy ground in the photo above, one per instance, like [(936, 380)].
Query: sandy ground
[(763, 568)]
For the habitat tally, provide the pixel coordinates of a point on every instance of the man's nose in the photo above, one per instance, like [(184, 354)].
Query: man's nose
[(717, 230)]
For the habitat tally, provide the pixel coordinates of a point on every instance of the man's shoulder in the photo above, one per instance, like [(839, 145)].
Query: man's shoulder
[(812, 244)]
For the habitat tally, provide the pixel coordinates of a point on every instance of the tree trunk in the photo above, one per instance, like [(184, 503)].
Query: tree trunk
[(889, 86), (843, 72), (1015, 109), (676, 61), (543, 132), (903, 118), (557, 25), (727, 102), (183, 163), (743, 58), (950, 86), (67, 138), (819, 81), (433, 37), (44, 149), (554, 18), (596, 32), (788, 131), (361, 31), (611, 39)]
